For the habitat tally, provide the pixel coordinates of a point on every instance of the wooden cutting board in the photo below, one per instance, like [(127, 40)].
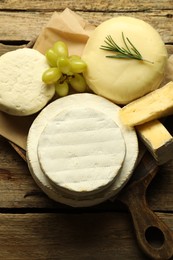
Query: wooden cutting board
[(153, 235)]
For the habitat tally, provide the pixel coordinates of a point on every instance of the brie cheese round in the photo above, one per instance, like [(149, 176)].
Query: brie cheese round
[(124, 79), (22, 91), (81, 150), (80, 101)]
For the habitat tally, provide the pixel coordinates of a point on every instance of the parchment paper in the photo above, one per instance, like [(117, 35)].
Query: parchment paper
[(66, 26), (75, 31)]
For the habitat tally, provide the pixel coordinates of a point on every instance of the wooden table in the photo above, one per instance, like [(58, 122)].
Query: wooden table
[(31, 225)]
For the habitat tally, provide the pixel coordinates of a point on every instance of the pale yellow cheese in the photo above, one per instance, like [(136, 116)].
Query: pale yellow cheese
[(154, 105), (155, 132), (124, 80), (157, 139)]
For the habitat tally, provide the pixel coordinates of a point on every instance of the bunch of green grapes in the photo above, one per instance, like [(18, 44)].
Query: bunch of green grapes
[(65, 70)]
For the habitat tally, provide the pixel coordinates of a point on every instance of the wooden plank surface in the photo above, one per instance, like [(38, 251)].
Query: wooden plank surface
[(27, 25), (87, 5), (70, 236), (31, 225)]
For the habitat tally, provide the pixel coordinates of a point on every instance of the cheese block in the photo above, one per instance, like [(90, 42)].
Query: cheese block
[(80, 101), (119, 79), (81, 151), (157, 139), (22, 91), (154, 105)]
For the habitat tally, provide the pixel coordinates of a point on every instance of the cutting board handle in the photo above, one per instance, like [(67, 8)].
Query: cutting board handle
[(153, 236)]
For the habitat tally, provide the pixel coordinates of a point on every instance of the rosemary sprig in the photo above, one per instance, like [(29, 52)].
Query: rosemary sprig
[(129, 52)]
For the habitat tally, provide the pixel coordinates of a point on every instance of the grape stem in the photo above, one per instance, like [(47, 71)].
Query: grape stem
[(65, 77)]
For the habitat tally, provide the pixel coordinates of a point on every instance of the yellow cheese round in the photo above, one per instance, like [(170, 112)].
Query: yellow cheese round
[(124, 80)]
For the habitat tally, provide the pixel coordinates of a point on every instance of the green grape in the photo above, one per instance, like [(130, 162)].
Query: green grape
[(77, 64), (74, 57), (51, 57), (51, 75), (62, 89), (64, 65), (78, 83), (61, 49)]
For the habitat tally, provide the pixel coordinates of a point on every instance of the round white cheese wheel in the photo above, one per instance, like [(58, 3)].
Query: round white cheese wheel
[(81, 151), (22, 91), (124, 80), (80, 101)]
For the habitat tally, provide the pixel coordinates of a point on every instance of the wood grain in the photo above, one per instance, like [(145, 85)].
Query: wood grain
[(87, 5), (31, 23), (135, 199), (75, 236)]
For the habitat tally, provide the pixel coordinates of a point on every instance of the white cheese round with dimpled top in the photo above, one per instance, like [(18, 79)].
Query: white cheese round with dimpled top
[(123, 80), (81, 150), (22, 91), (80, 101)]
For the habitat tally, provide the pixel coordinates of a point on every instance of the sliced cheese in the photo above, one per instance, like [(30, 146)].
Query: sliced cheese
[(124, 80), (157, 139), (22, 91), (83, 101), (81, 151), (156, 104)]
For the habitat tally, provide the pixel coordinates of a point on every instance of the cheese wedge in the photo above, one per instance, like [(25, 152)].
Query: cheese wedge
[(157, 139), (80, 102), (154, 105), (22, 91), (81, 151), (123, 80)]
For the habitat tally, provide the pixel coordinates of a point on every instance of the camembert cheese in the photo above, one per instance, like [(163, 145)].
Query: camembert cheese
[(80, 102), (81, 151)]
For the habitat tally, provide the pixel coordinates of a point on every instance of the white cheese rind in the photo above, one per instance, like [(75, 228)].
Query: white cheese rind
[(81, 151), (124, 80), (22, 91), (82, 100)]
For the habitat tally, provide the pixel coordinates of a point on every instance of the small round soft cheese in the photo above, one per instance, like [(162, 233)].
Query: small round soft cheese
[(81, 151), (22, 91), (123, 80)]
